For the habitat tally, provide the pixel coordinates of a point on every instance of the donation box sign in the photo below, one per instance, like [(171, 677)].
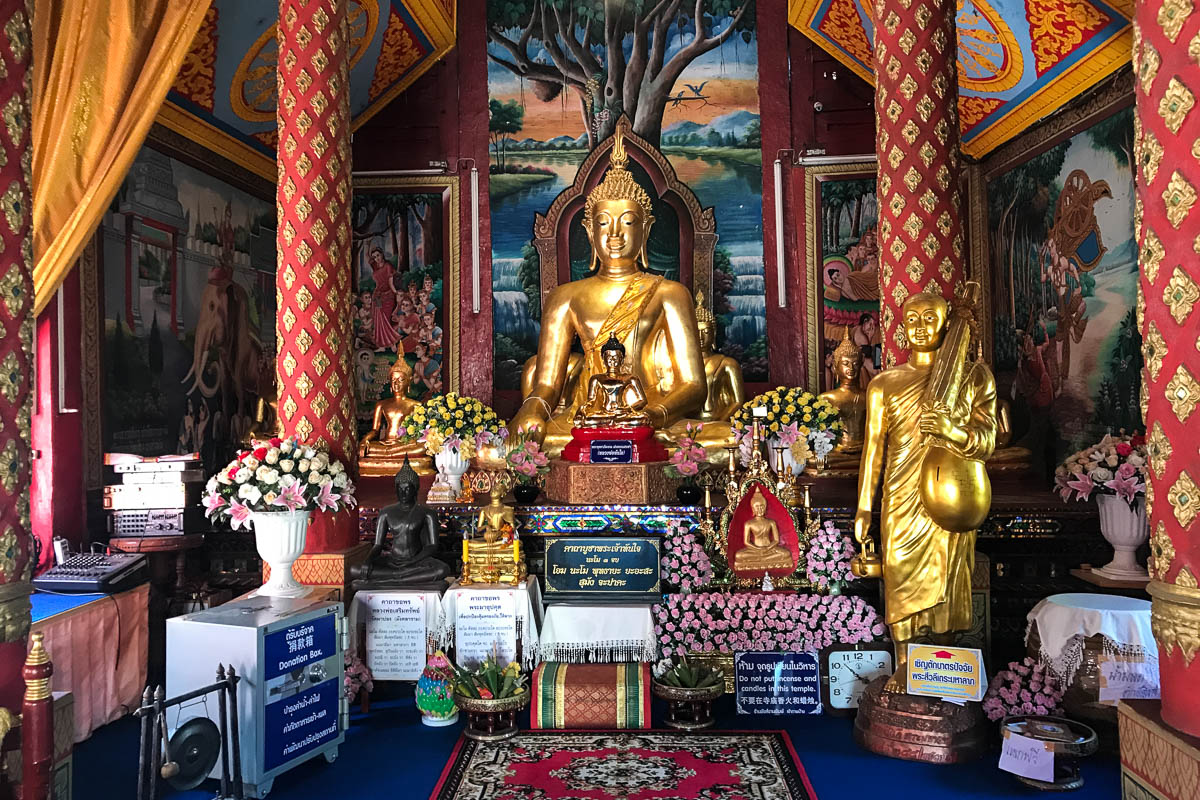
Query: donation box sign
[(777, 683), (951, 673), (609, 569)]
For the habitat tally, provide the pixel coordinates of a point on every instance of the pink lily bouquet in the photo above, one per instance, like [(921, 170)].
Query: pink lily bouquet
[(277, 475), (689, 458), (527, 461), (1114, 465)]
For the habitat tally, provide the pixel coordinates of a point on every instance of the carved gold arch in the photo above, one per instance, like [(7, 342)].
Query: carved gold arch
[(695, 258)]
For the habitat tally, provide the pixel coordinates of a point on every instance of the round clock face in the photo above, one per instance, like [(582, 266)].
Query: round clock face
[(851, 670)]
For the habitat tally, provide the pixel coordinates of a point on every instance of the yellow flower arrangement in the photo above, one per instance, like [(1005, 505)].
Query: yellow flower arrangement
[(451, 415), (786, 408)]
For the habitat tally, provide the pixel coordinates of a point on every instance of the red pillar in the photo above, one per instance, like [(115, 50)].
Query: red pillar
[(1166, 131), (313, 319), (920, 191), (16, 342)]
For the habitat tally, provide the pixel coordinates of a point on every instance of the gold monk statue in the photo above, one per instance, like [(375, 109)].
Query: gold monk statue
[(850, 400), (494, 557), (926, 568), (651, 316), (383, 450), (614, 400), (763, 549)]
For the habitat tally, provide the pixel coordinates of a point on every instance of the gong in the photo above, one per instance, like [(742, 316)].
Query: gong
[(195, 748)]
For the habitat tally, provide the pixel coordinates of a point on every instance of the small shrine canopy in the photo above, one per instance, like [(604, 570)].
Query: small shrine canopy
[(225, 94), (1018, 60)]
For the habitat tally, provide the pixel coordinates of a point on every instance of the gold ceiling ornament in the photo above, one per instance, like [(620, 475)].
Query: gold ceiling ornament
[(1185, 578), (1180, 294), (1178, 197), (1175, 619), (1158, 450), (1183, 392), (1162, 553), (1184, 498)]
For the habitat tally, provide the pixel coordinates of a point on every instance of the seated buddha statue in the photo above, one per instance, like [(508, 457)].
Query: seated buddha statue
[(494, 556), (651, 316), (726, 391), (266, 409), (762, 548), (574, 367), (1007, 456), (850, 400), (614, 399), (383, 450)]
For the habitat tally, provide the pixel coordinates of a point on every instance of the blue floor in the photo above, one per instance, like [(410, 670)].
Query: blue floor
[(390, 754)]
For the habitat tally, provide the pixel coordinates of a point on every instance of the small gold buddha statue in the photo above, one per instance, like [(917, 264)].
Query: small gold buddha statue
[(653, 318), (850, 400), (266, 408), (383, 450), (615, 398), (1007, 457), (494, 556), (726, 389), (762, 548)]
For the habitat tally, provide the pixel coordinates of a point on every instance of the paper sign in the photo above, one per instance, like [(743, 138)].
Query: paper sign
[(777, 683), (485, 624), (1125, 679), (1029, 758), (395, 635), (952, 673)]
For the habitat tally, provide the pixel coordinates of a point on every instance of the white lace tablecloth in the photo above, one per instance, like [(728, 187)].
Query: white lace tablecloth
[(1065, 620), (431, 602), (598, 633), (528, 599)]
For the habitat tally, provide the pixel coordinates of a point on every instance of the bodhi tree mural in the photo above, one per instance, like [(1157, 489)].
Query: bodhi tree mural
[(616, 56)]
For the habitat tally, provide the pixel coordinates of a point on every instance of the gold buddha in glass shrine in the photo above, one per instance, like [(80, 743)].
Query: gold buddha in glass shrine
[(383, 449), (762, 548), (651, 316), (494, 556), (850, 400)]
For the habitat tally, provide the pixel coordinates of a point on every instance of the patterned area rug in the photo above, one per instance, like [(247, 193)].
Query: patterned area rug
[(626, 765)]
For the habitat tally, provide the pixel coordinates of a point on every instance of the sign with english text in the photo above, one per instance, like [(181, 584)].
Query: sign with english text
[(299, 645), (777, 683)]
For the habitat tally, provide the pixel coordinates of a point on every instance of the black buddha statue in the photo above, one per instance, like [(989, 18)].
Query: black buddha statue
[(409, 563)]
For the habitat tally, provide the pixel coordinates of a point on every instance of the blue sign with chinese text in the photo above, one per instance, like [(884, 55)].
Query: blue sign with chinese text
[(298, 645), (777, 683)]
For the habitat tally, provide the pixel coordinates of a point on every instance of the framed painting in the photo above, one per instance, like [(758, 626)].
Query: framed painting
[(1053, 238), (405, 262), (842, 245)]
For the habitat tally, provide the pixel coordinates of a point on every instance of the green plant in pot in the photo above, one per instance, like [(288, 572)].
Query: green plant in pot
[(689, 689), (686, 465), (491, 694)]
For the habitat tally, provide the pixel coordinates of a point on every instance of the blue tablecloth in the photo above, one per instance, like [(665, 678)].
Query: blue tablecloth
[(47, 604)]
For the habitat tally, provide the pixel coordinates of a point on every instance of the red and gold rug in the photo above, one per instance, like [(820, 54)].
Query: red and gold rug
[(625, 765)]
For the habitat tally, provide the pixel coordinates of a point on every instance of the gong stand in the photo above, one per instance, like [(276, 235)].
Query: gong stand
[(154, 736)]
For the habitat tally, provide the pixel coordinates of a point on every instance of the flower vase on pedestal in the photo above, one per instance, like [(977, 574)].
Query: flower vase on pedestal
[(450, 462), (279, 538), (1126, 529)]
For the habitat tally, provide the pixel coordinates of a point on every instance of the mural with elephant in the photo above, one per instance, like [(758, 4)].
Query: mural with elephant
[(189, 278)]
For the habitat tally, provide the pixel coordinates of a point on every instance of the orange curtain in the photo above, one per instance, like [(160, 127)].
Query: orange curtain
[(101, 70)]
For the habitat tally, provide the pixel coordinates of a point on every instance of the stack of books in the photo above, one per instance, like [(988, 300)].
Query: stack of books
[(154, 495)]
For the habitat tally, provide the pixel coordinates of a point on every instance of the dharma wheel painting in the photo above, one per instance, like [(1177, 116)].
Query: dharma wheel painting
[(1064, 286), (698, 109)]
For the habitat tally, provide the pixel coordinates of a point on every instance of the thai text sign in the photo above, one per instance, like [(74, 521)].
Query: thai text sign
[(396, 635), (611, 451), (951, 673), (298, 645), (600, 567), (777, 683), (485, 624), (1027, 757), (298, 724)]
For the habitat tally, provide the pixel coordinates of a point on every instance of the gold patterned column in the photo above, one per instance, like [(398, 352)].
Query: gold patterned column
[(1167, 140), (16, 344), (916, 139)]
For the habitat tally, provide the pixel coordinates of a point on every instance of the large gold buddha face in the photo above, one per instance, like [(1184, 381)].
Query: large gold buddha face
[(924, 317), (705, 329), (618, 230), (401, 380)]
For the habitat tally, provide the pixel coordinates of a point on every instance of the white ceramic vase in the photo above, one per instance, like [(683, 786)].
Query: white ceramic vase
[(1126, 529), (279, 537), (450, 462)]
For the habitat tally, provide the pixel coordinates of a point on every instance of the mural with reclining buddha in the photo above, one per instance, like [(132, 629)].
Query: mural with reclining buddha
[(692, 91)]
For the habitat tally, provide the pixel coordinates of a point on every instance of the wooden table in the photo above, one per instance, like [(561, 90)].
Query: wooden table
[(1086, 574)]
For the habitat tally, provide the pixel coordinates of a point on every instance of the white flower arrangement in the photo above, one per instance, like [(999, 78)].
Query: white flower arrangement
[(277, 475)]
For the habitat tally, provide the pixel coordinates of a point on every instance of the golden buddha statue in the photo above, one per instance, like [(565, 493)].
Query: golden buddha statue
[(383, 450), (930, 424), (850, 400), (762, 548), (651, 316), (614, 400), (1007, 457), (495, 556), (726, 391), (265, 424)]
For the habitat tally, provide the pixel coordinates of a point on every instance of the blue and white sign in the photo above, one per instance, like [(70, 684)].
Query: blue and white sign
[(611, 451), (295, 646), (777, 683), (300, 723)]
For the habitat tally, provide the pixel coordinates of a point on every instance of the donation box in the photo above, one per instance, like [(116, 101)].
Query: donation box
[(288, 652)]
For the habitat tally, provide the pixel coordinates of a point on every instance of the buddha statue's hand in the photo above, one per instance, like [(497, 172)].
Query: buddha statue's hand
[(862, 530), (529, 422), (937, 422)]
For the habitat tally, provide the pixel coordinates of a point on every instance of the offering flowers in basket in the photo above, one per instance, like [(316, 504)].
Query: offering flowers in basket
[(491, 695)]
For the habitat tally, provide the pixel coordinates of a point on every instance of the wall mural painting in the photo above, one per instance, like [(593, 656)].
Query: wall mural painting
[(400, 253), (189, 301), (1066, 347), (689, 83), (849, 269)]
